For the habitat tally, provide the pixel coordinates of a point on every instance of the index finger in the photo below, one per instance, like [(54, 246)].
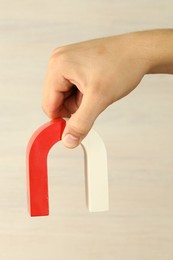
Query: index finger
[(56, 90)]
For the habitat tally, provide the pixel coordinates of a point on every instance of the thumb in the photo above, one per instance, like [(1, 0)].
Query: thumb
[(81, 121)]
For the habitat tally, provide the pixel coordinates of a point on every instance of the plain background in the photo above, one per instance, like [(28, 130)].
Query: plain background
[(137, 132)]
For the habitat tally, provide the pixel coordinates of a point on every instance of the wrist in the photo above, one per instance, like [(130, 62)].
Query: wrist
[(156, 47)]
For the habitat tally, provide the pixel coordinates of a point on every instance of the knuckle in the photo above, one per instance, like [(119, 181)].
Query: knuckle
[(58, 57), (80, 131)]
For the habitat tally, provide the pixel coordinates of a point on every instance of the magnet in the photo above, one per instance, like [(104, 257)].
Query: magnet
[(95, 159)]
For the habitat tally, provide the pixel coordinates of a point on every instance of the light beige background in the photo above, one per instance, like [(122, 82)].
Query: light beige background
[(137, 131)]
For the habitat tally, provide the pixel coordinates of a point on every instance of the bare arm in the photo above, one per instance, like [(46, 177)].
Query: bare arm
[(160, 49)]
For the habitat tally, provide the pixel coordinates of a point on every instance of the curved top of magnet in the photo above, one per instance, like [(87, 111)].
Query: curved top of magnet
[(37, 180)]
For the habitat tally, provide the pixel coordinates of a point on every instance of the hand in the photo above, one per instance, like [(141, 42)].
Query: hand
[(83, 79)]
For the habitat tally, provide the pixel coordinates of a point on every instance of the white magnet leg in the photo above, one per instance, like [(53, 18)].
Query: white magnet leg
[(96, 174)]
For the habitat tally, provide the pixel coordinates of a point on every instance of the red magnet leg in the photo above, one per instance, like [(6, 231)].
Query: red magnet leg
[(37, 181)]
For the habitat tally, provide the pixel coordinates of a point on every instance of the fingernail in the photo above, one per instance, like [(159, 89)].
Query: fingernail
[(70, 141)]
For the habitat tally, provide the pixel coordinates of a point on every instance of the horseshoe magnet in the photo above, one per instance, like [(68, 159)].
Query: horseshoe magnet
[(95, 159)]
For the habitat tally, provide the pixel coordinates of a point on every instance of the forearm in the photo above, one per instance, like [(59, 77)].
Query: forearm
[(157, 47)]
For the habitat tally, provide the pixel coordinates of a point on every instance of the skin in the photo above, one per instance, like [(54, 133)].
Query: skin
[(83, 79)]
